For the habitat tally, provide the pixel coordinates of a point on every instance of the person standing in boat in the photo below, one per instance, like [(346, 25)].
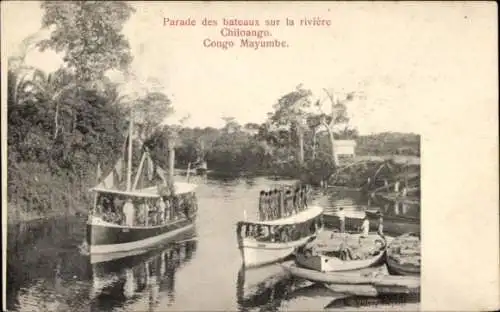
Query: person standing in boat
[(265, 205), (276, 201), (341, 216), (365, 227), (261, 206), (161, 211), (286, 202), (380, 229), (128, 212)]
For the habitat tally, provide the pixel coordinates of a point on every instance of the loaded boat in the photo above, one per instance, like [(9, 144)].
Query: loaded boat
[(339, 257), (285, 223), (403, 255), (131, 218)]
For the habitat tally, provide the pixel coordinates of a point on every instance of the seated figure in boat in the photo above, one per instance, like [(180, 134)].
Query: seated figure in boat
[(262, 233)]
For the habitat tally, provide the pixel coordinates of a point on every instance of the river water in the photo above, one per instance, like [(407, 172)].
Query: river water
[(47, 272)]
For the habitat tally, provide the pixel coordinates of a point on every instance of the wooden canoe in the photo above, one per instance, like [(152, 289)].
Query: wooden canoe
[(350, 282), (323, 263), (396, 268)]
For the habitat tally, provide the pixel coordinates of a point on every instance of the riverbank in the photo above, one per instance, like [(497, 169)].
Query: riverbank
[(16, 215), (34, 193)]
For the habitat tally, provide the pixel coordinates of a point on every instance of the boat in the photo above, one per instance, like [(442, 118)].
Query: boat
[(398, 267), (161, 208), (370, 282), (280, 231), (322, 262), (201, 168)]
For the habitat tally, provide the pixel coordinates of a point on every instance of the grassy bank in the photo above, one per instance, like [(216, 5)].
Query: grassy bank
[(34, 192)]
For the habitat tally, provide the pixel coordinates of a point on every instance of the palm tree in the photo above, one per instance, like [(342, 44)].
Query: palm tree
[(48, 89)]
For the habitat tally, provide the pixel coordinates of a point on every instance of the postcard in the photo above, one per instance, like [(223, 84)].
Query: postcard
[(250, 156)]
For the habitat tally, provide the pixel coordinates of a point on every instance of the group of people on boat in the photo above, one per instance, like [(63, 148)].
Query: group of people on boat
[(138, 211), (279, 203), (281, 233)]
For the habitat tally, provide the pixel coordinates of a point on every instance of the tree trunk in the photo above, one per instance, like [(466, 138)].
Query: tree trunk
[(56, 121), (301, 147), (314, 145), (332, 143)]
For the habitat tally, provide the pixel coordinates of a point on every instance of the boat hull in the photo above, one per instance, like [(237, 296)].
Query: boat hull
[(410, 283), (104, 238), (332, 264), (256, 253)]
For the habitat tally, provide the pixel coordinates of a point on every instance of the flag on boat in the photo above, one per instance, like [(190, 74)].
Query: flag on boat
[(118, 170), (162, 173), (99, 173), (109, 181), (150, 167)]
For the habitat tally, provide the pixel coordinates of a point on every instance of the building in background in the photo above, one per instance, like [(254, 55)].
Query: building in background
[(345, 150)]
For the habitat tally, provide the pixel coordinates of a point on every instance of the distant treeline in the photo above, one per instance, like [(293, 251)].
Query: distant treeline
[(244, 148)]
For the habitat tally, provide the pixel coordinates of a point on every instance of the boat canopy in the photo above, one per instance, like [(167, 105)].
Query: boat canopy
[(180, 188), (303, 216)]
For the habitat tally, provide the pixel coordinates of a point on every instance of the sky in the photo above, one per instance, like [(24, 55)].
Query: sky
[(406, 59)]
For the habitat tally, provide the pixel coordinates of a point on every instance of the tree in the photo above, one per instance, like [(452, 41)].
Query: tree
[(314, 123), (338, 115), (231, 125), (291, 111), (49, 89), (150, 111), (89, 35)]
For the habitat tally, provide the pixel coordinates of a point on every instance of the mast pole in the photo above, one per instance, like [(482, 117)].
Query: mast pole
[(139, 171), (129, 160)]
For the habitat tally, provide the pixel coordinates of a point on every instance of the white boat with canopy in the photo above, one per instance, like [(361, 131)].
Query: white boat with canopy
[(287, 223)]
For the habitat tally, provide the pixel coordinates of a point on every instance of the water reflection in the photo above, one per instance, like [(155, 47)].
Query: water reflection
[(139, 279), (402, 209), (43, 273), (263, 288)]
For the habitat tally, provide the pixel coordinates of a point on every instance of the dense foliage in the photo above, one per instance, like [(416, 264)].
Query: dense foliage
[(61, 124)]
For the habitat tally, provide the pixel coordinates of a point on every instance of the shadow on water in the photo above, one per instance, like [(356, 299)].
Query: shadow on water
[(44, 255)]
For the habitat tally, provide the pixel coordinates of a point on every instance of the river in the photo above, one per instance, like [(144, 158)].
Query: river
[(47, 272)]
